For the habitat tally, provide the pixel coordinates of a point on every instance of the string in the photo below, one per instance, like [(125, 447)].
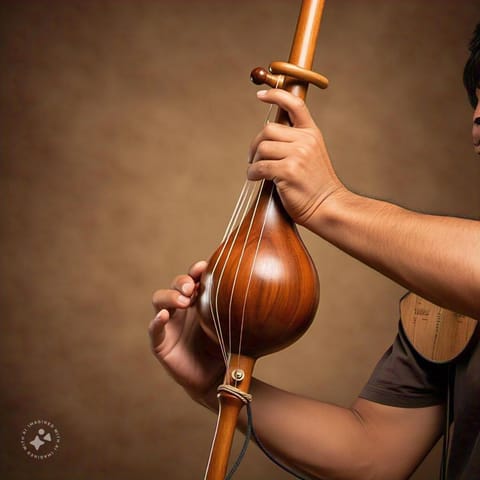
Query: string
[(267, 118), (242, 323), (215, 315), (252, 269), (249, 198), (233, 220), (238, 206), (240, 262)]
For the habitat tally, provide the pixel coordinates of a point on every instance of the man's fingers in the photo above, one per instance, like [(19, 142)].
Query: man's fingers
[(170, 300), (269, 150), (184, 284), (196, 270), (182, 290), (272, 132), (262, 170), (295, 106), (156, 329)]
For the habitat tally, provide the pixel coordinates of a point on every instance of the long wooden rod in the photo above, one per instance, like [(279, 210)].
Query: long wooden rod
[(229, 408), (303, 49), (305, 40)]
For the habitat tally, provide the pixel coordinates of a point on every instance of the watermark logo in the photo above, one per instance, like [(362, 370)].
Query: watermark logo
[(40, 439)]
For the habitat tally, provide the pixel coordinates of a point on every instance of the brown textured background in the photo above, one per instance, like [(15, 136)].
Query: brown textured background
[(125, 126)]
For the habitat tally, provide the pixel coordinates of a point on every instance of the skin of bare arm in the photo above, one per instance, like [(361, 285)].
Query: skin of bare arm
[(368, 441), (435, 256)]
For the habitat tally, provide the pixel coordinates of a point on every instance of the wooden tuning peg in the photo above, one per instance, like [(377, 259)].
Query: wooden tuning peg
[(261, 76)]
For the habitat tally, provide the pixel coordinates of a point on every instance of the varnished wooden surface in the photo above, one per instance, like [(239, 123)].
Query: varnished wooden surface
[(439, 335), (266, 298), (229, 407)]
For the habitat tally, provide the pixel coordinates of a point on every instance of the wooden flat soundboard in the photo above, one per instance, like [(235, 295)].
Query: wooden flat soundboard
[(437, 334)]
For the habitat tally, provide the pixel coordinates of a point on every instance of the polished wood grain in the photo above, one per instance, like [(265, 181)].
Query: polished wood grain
[(439, 335), (299, 73), (268, 293), (229, 408)]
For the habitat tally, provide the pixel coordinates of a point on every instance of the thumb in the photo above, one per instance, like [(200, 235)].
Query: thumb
[(294, 106), (156, 329)]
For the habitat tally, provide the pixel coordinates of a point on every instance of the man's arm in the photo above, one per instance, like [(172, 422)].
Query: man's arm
[(437, 257), (368, 441), (434, 256)]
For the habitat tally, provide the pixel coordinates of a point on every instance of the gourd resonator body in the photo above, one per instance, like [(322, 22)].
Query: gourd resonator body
[(260, 286)]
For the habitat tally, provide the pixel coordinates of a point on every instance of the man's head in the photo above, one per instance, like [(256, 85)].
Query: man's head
[(471, 80)]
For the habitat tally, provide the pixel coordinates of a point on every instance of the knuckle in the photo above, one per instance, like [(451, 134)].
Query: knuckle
[(157, 297), (298, 103), (258, 171), (262, 148), (290, 169), (164, 298), (269, 130), (302, 151), (179, 280)]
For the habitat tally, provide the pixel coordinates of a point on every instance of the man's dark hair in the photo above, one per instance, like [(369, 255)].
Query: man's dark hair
[(471, 73)]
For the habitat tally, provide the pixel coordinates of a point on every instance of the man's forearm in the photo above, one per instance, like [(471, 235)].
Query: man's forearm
[(437, 257), (368, 441), (319, 439)]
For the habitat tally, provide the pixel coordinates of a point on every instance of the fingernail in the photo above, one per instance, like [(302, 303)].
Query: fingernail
[(186, 288), (261, 93), (183, 300)]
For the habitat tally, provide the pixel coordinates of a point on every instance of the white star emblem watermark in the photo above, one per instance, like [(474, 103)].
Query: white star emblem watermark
[(40, 439)]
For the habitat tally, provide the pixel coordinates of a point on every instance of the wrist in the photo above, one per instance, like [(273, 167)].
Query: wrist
[(207, 397), (209, 400), (331, 211)]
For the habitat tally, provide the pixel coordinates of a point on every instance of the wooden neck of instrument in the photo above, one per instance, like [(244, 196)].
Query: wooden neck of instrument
[(303, 49), (305, 41), (229, 409)]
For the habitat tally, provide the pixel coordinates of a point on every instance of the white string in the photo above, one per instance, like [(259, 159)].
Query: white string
[(253, 266), (234, 216), (240, 262), (214, 314), (220, 279), (240, 210), (245, 202), (267, 118)]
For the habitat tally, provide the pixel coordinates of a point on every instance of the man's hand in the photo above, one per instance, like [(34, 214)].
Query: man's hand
[(178, 341), (295, 158)]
